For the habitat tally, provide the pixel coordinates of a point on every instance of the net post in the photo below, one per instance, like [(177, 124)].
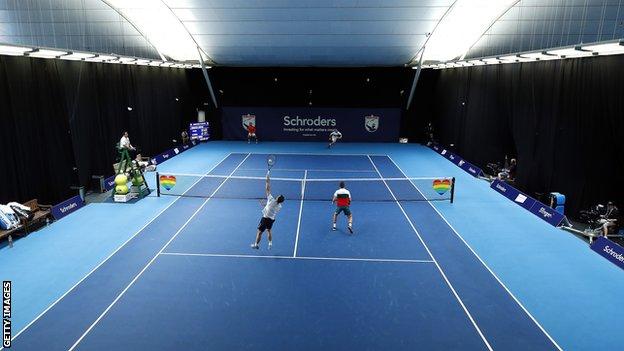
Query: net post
[(452, 189), (157, 184)]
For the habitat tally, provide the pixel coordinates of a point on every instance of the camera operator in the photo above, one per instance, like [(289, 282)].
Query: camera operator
[(509, 173), (608, 220)]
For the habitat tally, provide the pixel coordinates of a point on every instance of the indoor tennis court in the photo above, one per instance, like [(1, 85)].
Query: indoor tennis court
[(403, 275), (311, 175)]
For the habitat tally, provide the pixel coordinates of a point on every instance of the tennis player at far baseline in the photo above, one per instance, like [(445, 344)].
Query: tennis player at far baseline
[(342, 199), (269, 212), (334, 137)]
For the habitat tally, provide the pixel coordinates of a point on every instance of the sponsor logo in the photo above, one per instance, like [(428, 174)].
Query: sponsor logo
[(443, 152), (544, 212), (165, 155), (248, 119), (501, 188), (371, 123), (520, 198), (68, 207), (176, 151), (452, 157), (6, 313), (461, 163), (309, 122), (436, 148), (154, 161), (609, 251), (472, 170)]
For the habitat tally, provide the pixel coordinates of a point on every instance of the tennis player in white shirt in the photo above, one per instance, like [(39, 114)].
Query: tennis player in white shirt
[(334, 137), (269, 212)]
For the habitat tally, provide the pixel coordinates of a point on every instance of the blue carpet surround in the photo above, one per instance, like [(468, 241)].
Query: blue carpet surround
[(177, 272)]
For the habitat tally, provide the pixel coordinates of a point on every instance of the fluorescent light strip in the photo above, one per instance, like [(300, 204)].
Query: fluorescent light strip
[(539, 56), (491, 61), (101, 58), (605, 49), (508, 59), (46, 53), (588, 50), (77, 56), (570, 53), (107, 57), (13, 50)]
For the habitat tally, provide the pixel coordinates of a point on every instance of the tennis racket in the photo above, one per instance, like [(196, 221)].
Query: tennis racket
[(270, 161)]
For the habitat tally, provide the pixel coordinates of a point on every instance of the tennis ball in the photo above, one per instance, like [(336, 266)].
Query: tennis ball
[(121, 179), (121, 189)]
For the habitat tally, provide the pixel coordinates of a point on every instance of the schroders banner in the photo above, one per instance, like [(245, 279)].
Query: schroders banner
[(66, 207), (609, 250), (312, 124)]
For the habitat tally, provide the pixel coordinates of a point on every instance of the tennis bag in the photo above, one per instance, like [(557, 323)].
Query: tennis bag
[(21, 210), (8, 218)]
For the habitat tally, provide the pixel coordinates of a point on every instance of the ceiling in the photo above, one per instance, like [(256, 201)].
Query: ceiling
[(306, 32), (310, 32), (544, 24)]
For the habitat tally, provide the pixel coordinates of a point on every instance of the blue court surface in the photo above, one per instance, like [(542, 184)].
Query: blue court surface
[(177, 272)]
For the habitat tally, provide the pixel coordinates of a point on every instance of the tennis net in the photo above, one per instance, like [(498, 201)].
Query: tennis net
[(309, 189)]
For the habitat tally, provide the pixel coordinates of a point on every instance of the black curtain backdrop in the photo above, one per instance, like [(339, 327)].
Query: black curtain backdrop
[(98, 97), (36, 158), (323, 87), (60, 120), (563, 120), (310, 86)]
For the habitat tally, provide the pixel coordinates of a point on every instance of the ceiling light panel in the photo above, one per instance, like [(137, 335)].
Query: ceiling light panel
[(160, 25), (462, 26)]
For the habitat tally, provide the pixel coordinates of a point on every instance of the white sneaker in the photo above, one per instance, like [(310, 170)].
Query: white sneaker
[(270, 245), (255, 246)]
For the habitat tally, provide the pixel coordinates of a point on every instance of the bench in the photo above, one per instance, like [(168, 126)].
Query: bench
[(40, 213)]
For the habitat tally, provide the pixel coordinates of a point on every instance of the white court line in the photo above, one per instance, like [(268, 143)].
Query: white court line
[(485, 265), (106, 259), (298, 257), (435, 261), (305, 175), (151, 261)]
